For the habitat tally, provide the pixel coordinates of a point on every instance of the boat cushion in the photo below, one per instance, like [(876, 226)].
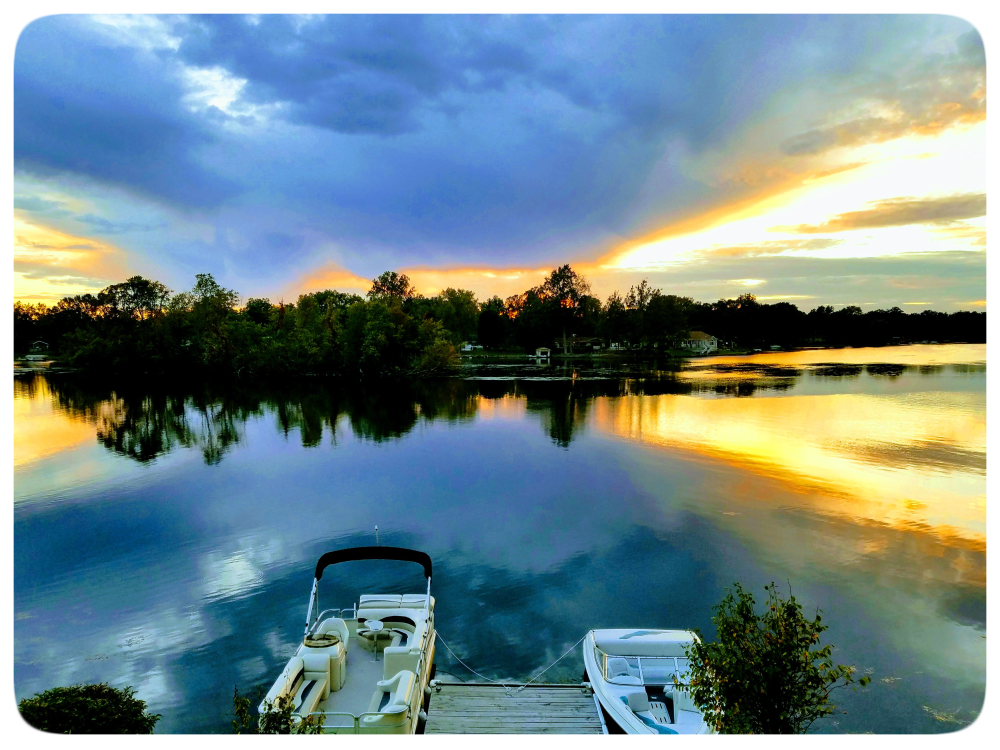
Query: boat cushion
[(317, 667), (288, 681), (416, 601), (394, 601), (379, 601), (334, 626), (399, 687), (637, 700), (310, 694)]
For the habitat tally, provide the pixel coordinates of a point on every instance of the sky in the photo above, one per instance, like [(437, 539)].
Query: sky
[(820, 160)]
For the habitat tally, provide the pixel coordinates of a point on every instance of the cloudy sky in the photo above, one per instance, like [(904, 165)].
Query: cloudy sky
[(817, 159)]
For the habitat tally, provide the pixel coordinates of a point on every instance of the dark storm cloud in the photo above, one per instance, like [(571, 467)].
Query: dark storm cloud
[(415, 140), (900, 212), (108, 112)]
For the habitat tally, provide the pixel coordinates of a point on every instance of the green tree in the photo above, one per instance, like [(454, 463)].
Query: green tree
[(392, 285), (666, 318), (767, 673), (458, 311), (562, 292), (88, 709), (492, 327), (137, 298), (636, 302), (258, 310)]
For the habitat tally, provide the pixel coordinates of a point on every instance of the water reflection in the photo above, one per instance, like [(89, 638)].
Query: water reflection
[(551, 500)]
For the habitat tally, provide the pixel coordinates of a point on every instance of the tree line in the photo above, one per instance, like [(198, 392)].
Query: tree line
[(140, 325)]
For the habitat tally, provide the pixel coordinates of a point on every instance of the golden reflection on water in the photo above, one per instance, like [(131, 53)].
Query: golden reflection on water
[(913, 354), (906, 461), (41, 429)]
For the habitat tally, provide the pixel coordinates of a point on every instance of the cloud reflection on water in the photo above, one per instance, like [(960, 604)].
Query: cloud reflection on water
[(548, 505)]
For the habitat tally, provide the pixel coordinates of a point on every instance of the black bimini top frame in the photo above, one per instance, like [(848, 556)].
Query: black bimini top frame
[(374, 553)]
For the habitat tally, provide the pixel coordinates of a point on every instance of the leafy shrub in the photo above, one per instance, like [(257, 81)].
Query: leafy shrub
[(767, 673), (276, 719), (88, 709)]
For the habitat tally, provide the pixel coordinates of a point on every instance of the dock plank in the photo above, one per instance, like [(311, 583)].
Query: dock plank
[(483, 708)]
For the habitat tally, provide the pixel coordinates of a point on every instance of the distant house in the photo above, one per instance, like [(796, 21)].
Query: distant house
[(700, 342), (543, 351), (39, 346), (581, 343), (470, 347)]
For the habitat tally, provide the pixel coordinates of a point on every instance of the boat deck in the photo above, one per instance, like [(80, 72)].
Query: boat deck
[(485, 708)]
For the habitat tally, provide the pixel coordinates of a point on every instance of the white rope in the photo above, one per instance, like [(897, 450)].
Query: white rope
[(498, 682), (550, 666)]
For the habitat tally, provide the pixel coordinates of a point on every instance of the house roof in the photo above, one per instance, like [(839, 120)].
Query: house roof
[(700, 336)]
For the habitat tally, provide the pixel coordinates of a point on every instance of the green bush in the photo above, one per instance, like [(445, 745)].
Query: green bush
[(276, 719), (767, 673), (88, 709)]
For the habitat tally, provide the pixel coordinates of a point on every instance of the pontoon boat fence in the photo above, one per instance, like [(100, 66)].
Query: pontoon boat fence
[(367, 553)]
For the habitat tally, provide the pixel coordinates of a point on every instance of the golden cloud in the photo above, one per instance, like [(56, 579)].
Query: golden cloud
[(49, 264), (897, 212)]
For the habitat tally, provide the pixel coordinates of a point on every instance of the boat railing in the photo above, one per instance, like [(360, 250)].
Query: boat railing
[(348, 723), (651, 670)]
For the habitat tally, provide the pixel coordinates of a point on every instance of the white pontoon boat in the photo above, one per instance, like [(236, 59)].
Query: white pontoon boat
[(365, 668), (633, 673)]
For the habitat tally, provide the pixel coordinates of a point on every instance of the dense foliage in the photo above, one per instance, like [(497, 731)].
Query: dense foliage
[(276, 718), (140, 326), (767, 673), (88, 709)]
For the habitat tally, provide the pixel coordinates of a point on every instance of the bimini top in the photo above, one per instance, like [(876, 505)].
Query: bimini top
[(643, 642), (374, 553)]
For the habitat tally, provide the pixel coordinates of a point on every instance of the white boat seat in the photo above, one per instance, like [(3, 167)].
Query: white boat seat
[(388, 706), (622, 673), (288, 682), (379, 601), (637, 700), (309, 695), (646, 717), (393, 601), (335, 625)]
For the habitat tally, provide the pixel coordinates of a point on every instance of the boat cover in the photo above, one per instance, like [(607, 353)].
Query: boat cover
[(374, 553), (643, 642)]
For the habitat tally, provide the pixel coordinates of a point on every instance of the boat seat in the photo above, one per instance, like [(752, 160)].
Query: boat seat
[(639, 698), (621, 672), (335, 625), (288, 682), (685, 710), (387, 709), (393, 601), (405, 654)]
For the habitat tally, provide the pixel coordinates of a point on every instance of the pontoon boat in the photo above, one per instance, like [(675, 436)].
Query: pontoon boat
[(365, 668), (640, 678)]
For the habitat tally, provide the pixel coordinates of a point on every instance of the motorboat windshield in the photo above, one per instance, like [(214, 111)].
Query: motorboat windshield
[(644, 670), (643, 657)]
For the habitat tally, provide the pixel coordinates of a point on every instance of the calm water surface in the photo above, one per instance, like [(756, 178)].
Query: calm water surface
[(165, 536)]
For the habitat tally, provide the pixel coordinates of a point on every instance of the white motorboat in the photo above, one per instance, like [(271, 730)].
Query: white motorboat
[(363, 669), (640, 678)]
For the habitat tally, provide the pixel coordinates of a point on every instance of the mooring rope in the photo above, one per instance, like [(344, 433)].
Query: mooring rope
[(550, 666), (499, 682)]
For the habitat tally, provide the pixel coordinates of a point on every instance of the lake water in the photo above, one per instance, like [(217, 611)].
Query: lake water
[(165, 536)]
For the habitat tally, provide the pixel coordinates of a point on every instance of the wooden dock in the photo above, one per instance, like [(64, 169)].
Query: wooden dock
[(486, 708)]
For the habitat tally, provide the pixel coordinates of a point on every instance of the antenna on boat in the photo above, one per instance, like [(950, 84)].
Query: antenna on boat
[(376, 535)]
